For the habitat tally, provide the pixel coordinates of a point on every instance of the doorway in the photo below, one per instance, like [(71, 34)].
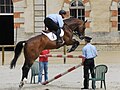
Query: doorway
[(6, 31), (6, 23)]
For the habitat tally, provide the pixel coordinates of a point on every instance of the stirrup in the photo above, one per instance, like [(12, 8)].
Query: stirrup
[(59, 40)]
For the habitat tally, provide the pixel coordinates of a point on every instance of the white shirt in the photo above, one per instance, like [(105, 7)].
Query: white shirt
[(89, 51), (57, 19)]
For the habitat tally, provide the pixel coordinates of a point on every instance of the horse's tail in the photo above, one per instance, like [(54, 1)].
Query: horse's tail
[(17, 52)]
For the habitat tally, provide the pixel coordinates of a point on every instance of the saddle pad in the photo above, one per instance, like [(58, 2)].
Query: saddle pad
[(52, 36)]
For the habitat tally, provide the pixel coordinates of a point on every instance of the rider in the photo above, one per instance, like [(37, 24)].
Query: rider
[(54, 22)]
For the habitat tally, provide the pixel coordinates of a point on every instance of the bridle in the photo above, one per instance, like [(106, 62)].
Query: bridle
[(75, 32)]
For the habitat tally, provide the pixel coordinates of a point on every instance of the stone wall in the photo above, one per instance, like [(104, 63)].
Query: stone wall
[(101, 15)]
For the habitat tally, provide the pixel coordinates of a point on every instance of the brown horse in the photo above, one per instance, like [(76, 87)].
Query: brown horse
[(35, 45)]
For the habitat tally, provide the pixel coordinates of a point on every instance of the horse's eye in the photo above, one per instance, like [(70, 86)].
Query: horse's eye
[(83, 28)]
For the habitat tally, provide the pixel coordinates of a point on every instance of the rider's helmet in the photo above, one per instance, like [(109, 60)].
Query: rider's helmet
[(62, 12)]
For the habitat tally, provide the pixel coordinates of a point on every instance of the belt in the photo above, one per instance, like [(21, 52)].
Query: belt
[(89, 59)]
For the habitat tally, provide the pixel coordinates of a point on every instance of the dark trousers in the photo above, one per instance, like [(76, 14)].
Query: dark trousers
[(51, 25), (88, 65)]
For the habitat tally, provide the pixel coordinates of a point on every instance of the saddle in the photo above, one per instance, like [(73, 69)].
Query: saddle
[(52, 34), (46, 31)]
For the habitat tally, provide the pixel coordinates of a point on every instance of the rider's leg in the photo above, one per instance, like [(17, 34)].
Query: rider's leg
[(59, 40), (51, 25)]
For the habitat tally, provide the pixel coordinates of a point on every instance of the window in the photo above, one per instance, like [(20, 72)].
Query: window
[(118, 16), (6, 6), (77, 9)]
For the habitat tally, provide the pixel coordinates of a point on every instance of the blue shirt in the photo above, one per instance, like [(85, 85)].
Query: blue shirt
[(89, 51), (57, 19)]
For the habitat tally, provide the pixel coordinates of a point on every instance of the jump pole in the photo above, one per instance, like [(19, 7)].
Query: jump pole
[(62, 56), (61, 74)]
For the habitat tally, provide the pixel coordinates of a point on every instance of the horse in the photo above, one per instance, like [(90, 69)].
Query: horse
[(33, 46)]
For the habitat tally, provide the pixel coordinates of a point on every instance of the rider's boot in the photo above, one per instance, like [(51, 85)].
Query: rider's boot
[(59, 39)]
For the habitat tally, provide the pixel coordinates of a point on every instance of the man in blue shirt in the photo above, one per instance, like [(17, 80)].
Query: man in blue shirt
[(54, 22), (89, 51)]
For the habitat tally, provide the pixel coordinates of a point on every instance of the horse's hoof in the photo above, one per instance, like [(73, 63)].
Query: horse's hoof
[(69, 50), (21, 84), (47, 89)]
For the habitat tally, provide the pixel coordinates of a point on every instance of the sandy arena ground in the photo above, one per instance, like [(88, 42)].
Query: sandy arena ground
[(9, 79)]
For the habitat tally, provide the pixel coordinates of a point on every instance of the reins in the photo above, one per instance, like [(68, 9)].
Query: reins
[(65, 24), (72, 31)]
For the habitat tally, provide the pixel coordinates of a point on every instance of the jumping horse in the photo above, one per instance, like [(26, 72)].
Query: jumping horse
[(33, 46)]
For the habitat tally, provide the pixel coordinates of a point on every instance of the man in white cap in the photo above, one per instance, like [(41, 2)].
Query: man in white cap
[(89, 52)]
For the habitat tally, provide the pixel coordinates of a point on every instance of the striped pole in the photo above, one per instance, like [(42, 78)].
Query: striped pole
[(62, 56), (60, 75)]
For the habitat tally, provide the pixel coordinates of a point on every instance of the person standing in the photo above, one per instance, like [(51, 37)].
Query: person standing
[(43, 65), (54, 22), (89, 52)]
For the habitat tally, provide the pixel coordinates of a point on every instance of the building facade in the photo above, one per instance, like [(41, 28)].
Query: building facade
[(103, 17)]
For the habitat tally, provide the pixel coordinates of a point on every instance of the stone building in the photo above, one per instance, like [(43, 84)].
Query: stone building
[(103, 17)]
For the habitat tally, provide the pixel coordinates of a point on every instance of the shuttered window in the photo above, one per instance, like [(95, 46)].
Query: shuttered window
[(6, 6), (119, 16), (77, 9)]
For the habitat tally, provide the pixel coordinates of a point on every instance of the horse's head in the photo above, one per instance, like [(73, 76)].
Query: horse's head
[(77, 26), (80, 30)]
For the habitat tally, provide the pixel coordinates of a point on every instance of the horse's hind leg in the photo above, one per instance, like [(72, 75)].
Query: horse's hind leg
[(74, 46), (25, 70)]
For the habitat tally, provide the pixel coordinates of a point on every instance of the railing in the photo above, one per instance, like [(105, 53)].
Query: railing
[(3, 51)]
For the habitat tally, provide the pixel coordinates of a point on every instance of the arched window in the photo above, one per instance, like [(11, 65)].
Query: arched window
[(77, 9), (118, 16), (6, 6)]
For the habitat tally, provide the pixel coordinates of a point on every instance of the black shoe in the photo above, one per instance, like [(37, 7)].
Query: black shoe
[(84, 88)]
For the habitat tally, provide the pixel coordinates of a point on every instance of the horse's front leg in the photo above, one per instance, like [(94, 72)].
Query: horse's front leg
[(75, 44)]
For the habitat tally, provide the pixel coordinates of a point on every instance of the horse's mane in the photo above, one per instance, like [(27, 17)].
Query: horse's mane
[(72, 21)]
